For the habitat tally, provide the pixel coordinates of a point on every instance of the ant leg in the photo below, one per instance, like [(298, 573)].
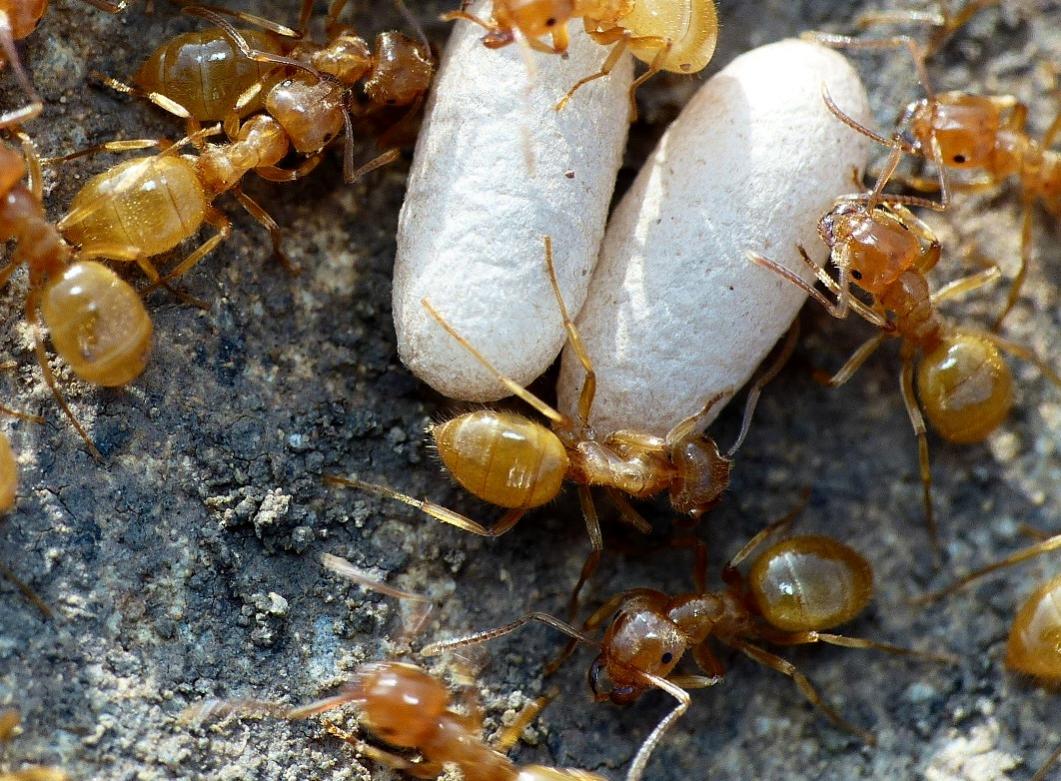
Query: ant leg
[(434, 649), (913, 411), (654, 67), (129, 145), (1022, 270), (436, 511), (27, 592), (589, 381), (1040, 774), (859, 357), (589, 513), (272, 173), (266, 221), (951, 24), (707, 661), (627, 512), (452, 16), (779, 526), (804, 638), (644, 753), (219, 222), (33, 317), (511, 734), (765, 378), (693, 426), (32, 158), (1024, 352), (966, 285), (513, 387), (803, 683), (383, 757), (160, 100), (618, 39), (10, 53), (1047, 545)]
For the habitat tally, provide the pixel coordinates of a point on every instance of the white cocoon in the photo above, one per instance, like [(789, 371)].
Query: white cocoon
[(496, 168), (676, 313)]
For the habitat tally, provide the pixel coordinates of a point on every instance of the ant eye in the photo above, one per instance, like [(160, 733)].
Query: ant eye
[(959, 158), (856, 274), (550, 21), (667, 657)]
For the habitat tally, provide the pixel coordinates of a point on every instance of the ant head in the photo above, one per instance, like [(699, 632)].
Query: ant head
[(875, 246), (535, 18), (966, 128), (702, 474), (347, 57), (965, 387), (402, 703), (403, 70), (641, 639)]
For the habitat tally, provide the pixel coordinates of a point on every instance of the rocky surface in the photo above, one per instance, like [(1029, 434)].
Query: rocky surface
[(186, 565)]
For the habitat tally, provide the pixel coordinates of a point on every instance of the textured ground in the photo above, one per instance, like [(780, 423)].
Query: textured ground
[(185, 566)]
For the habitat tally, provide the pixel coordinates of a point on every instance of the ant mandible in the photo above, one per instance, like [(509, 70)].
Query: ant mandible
[(795, 589), (1032, 648), (97, 321), (678, 36), (963, 385), (984, 133), (513, 462)]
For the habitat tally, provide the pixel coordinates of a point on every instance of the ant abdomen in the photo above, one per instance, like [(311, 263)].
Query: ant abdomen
[(1034, 645), (810, 582), (402, 72), (98, 324), (143, 204), (691, 26), (204, 71), (965, 386), (503, 458)]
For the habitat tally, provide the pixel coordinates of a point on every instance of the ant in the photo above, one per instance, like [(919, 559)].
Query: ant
[(408, 708), (225, 74), (516, 463), (18, 19), (677, 36), (795, 589), (963, 385), (97, 321), (1032, 647), (168, 197), (9, 721), (966, 132)]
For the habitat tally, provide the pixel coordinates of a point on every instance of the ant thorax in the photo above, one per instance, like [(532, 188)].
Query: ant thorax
[(636, 471)]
